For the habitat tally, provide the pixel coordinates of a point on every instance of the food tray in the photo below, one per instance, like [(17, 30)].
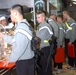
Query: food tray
[(9, 66)]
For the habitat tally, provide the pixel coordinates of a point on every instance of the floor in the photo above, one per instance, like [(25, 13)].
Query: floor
[(66, 72)]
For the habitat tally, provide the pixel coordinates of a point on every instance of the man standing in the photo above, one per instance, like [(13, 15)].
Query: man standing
[(21, 50), (44, 32), (70, 37), (53, 23)]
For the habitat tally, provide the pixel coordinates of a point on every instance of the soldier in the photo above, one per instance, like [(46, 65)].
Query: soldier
[(44, 32), (60, 43), (70, 37), (21, 50)]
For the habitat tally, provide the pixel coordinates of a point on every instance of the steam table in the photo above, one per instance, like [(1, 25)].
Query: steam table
[(7, 70)]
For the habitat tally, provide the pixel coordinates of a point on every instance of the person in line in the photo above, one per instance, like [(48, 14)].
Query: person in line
[(60, 44), (21, 53), (53, 23), (70, 37), (44, 32)]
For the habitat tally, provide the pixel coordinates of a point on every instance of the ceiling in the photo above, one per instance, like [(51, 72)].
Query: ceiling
[(69, 2), (72, 1)]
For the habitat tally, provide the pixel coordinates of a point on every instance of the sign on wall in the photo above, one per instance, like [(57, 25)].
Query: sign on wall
[(39, 4)]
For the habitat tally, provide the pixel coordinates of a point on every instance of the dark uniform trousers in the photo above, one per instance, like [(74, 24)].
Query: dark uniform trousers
[(58, 64), (71, 61), (42, 61), (25, 67)]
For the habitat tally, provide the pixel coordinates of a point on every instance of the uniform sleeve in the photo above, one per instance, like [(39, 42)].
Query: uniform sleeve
[(19, 46), (73, 34), (61, 36), (43, 34), (8, 39)]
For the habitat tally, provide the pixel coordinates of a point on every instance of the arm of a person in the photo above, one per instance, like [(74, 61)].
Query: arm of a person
[(18, 47), (8, 39), (60, 39), (43, 34), (73, 36)]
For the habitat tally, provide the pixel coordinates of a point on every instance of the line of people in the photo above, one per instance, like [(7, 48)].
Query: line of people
[(57, 28), (62, 30), (59, 43), (65, 28)]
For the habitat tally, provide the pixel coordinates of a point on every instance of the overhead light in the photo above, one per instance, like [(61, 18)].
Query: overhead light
[(74, 2)]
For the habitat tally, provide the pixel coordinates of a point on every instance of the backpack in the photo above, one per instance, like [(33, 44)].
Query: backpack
[(35, 41)]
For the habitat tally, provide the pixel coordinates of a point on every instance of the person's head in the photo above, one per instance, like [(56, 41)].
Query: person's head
[(3, 20), (60, 18), (41, 16), (53, 16), (66, 15), (16, 13)]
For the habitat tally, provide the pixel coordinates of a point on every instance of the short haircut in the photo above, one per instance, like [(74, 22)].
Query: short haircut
[(60, 16), (52, 15), (41, 12), (66, 12), (18, 7)]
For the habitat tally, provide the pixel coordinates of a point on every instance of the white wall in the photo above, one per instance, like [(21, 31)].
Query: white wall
[(9, 3)]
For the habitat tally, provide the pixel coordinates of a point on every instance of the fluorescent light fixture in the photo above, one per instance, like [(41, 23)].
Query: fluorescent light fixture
[(74, 2)]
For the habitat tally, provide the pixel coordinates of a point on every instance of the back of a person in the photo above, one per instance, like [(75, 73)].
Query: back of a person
[(54, 25), (24, 25)]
